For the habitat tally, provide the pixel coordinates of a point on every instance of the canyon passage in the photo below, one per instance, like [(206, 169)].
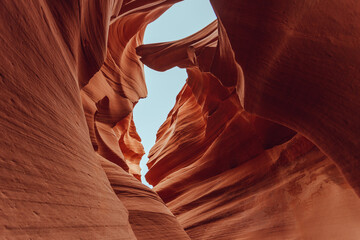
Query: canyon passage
[(263, 141)]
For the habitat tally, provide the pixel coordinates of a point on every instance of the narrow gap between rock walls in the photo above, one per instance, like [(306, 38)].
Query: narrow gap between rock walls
[(181, 20)]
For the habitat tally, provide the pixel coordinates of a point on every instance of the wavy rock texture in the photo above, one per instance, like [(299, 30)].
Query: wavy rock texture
[(148, 217), (299, 60), (53, 184), (262, 143), (229, 174), (111, 94)]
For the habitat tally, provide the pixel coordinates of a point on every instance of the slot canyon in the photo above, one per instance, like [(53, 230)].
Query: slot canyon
[(263, 141)]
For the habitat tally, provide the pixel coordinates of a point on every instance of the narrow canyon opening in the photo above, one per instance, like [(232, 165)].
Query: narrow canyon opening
[(181, 20), (261, 142)]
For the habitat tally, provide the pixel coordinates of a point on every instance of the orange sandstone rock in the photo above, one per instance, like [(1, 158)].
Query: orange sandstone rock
[(229, 174), (299, 60), (148, 217), (69, 79), (262, 143)]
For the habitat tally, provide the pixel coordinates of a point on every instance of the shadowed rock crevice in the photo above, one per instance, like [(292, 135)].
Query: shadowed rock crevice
[(262, 143), (51, 129), (228, 173)]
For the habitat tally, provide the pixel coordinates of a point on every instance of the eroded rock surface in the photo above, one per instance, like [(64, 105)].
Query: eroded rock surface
[(69, 79), (229, 174), (299, 62), (262, 143)]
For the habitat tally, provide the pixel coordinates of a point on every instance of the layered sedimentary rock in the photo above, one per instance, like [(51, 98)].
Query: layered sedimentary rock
[(111, 94), (244, 179), (69, 80), (299, 60), (262, 143), (230, 174), (148, 216)]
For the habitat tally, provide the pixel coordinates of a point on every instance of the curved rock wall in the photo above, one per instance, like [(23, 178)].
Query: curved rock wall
[(69, 79), (262, 143), (236, 176), (299, 60), (230, 174)]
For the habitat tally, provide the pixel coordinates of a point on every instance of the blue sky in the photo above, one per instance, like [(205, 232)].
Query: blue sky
[(181, 20)]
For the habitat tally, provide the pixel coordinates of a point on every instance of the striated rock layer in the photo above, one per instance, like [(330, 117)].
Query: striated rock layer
[(299, 62), (69, 79), (244, 178), (262, 143), (230, 174)]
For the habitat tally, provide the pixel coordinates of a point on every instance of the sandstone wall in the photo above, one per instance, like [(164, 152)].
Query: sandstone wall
[(69, 81), (223, 169)]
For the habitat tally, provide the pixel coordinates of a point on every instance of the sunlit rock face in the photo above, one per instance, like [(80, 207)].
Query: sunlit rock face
[(262, 143), (69, 150), (223, 169)]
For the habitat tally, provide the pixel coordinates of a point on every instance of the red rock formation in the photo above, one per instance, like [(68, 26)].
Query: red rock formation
[(70, 78), (299, 60), (148, 217), (230, 187), (228, 174), (113, 91), (53, 184)]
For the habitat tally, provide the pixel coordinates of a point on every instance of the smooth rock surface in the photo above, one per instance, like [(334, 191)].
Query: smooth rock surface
[(69, 79), (262, 143), (229, 174), (300, 68)]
